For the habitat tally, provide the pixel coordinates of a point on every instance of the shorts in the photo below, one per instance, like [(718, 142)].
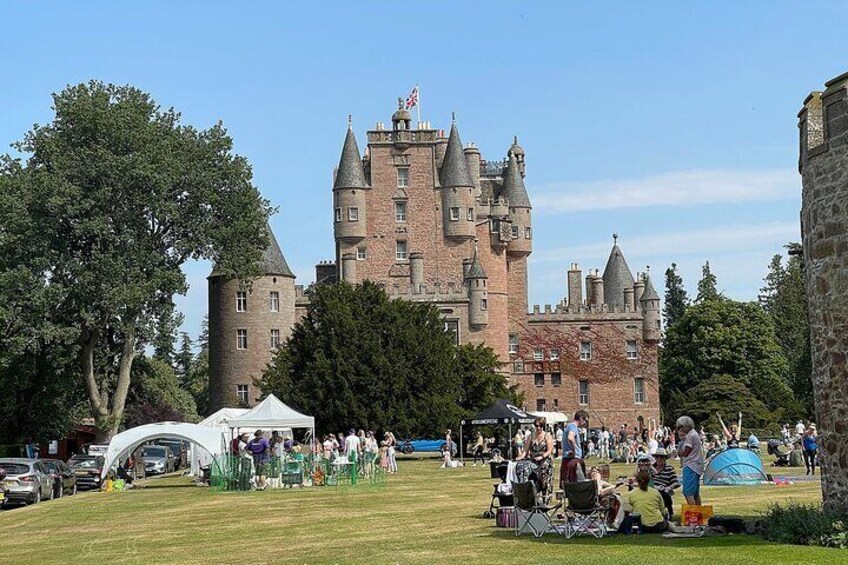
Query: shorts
[(691, 482)]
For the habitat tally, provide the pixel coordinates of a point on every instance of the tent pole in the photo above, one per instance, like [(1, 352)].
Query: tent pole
[(510, 442)]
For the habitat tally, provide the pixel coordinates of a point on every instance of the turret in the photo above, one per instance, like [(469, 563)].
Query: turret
[(349, 268), (477, 281), (513, 189), (651, 322), (575, 292), (401, 120), (416, 270), (457, 191), (617, 276), (349, 193), (518, 151)]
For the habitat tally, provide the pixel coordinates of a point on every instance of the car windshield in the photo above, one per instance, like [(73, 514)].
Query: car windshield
[(88, 463), (15, 468), (153, 452)]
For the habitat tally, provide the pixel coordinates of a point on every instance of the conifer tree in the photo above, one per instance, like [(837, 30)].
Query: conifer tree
[(676, 298), (707, 286)]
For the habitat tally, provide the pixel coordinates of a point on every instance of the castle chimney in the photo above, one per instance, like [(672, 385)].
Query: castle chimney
[(598, 289), (416, 270), (628, 299), (575, 291)]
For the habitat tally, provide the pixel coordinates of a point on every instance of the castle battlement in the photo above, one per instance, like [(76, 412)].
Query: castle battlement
[(449, 292), (566, 313), (823, 121)]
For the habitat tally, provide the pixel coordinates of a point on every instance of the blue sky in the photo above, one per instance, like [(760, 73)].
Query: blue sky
[(670, 123)]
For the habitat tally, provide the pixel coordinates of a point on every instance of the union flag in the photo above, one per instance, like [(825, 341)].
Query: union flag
[(412, 99)]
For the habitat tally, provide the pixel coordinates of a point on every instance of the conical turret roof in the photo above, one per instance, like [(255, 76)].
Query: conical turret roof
[(273, 261), (454, 170), (650, 292), (513, 185), (350, 173), (475, 271), (617, 277)]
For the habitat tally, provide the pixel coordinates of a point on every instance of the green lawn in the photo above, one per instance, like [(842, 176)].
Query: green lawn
[(425, 515)]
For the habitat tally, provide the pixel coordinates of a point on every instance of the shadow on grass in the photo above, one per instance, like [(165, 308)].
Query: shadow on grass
[(646, 540)]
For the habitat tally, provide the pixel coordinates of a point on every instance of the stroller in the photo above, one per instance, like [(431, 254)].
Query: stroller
[(498, 471), (781, 451)]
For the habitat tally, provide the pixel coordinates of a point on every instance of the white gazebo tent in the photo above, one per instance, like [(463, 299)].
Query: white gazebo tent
[(551, 417), (272, 414), (124, 443)]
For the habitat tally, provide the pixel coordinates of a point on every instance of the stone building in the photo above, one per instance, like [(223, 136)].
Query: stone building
[(823, 164), (429, 219)]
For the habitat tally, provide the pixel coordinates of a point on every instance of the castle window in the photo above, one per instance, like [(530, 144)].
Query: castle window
[(274, 301), (338, 214), (454, 214), (495, 225), (452, 327), (540, 404), (400, 210), (513, 343), (518, 366), (538, 354), (659, 326), (353, 214), (514, 232), (241, 394), (403, 177), (241, 301), (275, 339), (585, 350), (556, 403), (400, 251), (527, 232), (583, 392), (470, 216), (539, 379), (484, 304), (556, 379), (360, 254), (554, 353), (241, 339), (630, 349), (639, 390)]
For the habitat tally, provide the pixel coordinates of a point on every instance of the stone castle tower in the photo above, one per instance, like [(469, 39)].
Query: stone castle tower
[(246, 326), (430, 220), (823, 164)]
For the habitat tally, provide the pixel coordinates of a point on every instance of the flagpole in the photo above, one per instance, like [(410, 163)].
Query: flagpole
[(418, 103)]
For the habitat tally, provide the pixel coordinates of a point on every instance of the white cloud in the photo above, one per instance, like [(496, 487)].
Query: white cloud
[(679, 188), (672, 245)]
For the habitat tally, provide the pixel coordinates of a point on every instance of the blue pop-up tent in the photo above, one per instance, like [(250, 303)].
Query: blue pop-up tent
[(734, 467)]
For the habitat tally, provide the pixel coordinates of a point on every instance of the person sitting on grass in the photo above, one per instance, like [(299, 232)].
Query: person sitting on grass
[(647, 503), (665, 479)]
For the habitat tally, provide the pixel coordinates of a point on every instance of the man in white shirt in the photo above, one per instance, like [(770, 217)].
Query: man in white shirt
[(558, 446), (352, 445), (604, 441), (800, 428)]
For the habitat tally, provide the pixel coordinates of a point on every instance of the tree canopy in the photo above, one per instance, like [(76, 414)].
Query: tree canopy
[(359, 359), (724, 337), (676, 299), (115, 194)]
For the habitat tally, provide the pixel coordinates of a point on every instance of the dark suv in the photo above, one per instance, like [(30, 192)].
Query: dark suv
[(87, 469), (64, 479)]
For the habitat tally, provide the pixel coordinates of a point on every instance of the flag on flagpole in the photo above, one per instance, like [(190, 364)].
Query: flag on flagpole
[(412, 99)]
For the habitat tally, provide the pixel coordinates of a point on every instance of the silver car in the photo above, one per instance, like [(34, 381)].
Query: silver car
[(27, 481), (158, 459)]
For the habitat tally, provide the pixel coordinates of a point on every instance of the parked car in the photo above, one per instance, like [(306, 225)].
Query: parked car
[(64, 479), (27, 481), (158, 459), (179, 451), (87, 469)]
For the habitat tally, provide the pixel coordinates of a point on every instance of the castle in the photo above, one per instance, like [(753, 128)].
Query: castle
[(823, 161), (429, 220)]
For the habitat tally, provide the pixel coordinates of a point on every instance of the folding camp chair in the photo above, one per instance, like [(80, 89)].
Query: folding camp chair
[(530, 515), (584, 513)]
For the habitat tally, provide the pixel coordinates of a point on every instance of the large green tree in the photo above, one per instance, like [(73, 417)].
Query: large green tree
[(676, 299), (708, 285), (724, 337), (784, 298), (360, 359), (114, 196), (156, 395)]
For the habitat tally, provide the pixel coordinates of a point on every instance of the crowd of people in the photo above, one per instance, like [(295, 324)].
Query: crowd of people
[(260, 458)]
